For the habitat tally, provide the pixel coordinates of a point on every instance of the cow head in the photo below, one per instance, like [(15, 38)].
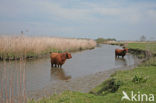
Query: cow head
[(68, 55), (125, 49)]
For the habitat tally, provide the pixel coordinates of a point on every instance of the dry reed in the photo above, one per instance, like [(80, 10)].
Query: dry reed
[(23, 46)]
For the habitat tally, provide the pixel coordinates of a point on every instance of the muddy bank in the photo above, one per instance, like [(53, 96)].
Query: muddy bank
[(140, 53), (81, 84)]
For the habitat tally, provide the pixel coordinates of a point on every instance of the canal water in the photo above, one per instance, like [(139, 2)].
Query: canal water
[(36, 74)]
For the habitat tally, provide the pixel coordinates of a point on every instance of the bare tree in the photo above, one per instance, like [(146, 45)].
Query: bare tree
[(142, 38)]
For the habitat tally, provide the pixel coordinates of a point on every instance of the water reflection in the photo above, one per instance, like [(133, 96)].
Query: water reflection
[(120, 61), (58, 73)]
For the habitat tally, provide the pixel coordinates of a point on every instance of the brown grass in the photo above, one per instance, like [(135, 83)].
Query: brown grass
[(23, 46)]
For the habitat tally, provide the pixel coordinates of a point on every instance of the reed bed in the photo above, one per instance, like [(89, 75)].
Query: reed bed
[(15, 47)]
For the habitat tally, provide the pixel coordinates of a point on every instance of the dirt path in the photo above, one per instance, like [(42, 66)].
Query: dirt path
[(81, 84)]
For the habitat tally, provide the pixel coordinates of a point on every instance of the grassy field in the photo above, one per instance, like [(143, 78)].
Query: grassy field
[(151, 46), (14, 47), (140, 80)]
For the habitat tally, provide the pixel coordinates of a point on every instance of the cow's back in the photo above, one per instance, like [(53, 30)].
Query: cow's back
[(54, 58)]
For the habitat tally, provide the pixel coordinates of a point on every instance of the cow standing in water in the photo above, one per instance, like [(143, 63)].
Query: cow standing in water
[(58, 59), (121, 52)]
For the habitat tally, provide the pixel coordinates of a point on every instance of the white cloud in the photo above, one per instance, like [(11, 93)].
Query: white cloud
[(80, 13)]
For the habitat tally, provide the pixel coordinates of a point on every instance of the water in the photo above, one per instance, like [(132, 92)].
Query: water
[(38, 73)]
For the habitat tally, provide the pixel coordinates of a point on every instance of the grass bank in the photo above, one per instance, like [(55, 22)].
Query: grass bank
[(142, 49), (144, 46), (140, 80), (15, 47)]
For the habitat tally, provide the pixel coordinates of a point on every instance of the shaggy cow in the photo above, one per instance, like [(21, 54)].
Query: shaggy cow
[(121, 52), (58, 59)]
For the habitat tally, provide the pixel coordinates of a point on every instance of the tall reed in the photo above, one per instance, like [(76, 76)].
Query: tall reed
[(13, 47)]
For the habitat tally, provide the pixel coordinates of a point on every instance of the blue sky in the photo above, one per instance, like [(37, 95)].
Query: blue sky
[(120, 19)]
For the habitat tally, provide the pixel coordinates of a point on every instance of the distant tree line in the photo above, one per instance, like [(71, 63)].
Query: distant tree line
[(103, 40)]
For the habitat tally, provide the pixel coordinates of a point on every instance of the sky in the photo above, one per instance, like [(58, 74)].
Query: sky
[(120, 19)]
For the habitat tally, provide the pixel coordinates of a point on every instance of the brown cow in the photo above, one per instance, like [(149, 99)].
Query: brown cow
[(58, 59), (121, 52)]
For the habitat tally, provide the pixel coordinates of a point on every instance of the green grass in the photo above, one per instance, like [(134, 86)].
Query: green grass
[(71, 97), (143, 46), (146, 85)]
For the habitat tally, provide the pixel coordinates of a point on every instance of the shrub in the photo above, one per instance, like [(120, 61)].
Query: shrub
[(139, 79)]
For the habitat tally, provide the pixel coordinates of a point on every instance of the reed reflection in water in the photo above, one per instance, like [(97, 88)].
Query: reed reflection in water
[(13, 87)]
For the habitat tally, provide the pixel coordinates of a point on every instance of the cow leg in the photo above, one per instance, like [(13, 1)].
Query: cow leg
[(117, 56), (51, 65), (59, 66)]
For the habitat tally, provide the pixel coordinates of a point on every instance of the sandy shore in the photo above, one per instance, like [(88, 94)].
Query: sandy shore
[(81, 84)]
